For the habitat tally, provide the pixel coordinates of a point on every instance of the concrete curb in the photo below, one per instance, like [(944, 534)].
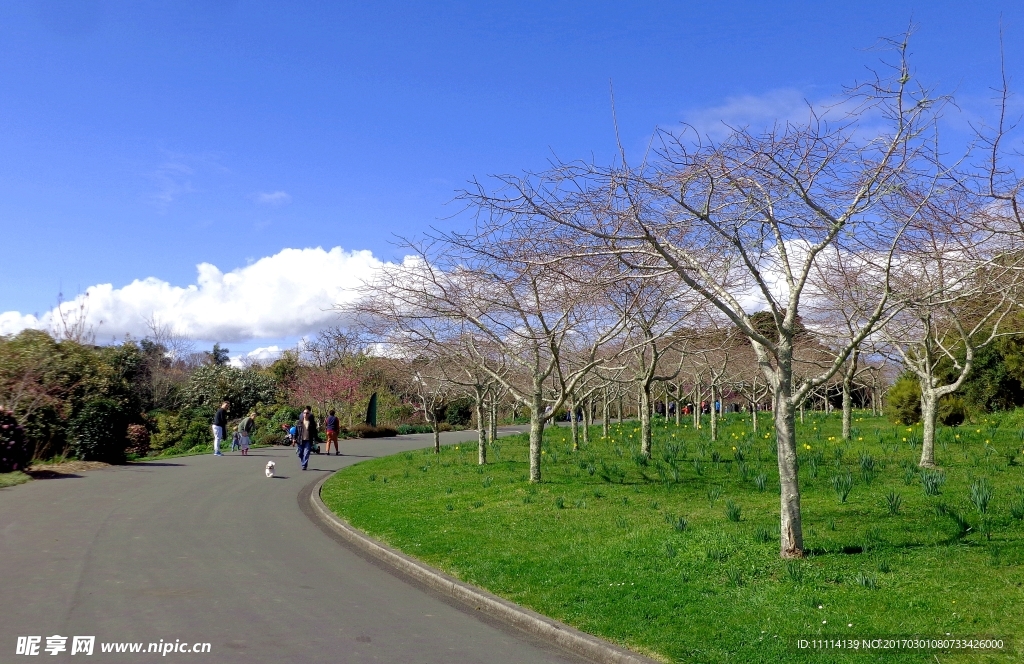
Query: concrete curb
[(542, 627)]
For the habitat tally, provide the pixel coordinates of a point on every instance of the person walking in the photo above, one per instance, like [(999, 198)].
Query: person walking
[(220, 425), (332, 425), (306, 434), (245, 429)]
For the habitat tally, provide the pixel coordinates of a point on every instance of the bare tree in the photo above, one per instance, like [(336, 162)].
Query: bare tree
[(654, 311), (534, 332), (958, 285), (71, 322), (743, 222)]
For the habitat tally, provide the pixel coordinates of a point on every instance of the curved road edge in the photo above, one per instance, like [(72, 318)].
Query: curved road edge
[(542, 627)]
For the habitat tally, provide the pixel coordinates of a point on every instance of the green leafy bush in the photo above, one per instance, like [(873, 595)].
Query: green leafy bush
[(98, 432), (459, 413), (15, 452), (244, 388), (903, 401), (271, 426), (952, 410), (363, 430), (270, 438), (169, 430), (197, 434), (406, 429)]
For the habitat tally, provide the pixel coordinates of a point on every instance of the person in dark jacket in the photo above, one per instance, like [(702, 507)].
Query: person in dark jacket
[(306, 434), (220, 425)]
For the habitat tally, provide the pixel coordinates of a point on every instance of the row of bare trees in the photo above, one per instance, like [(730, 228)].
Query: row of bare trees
[(774, 264)]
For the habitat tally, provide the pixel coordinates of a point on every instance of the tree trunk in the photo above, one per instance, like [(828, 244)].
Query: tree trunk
[(753, 415), (494, 419), (847, 410), (791, 530), (574, 425), (644, 406), (437, 436), (929, 414), (588, 420), (481, 431), (536, 435), (696, 406), (620, 409), (714, 415), (679, 403), (604, 415)]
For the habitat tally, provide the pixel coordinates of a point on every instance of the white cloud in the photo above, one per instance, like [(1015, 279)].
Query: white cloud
[(273, 198), (14, 321), (783, 105), (261, 355), (288, 294)]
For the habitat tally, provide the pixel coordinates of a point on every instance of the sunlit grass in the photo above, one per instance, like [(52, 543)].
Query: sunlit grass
[(678, 555)]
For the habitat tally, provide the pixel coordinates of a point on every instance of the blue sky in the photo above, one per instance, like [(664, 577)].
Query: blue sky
[(138, 140)]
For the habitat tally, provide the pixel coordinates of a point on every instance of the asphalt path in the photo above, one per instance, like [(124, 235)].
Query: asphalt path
[(207, 549)]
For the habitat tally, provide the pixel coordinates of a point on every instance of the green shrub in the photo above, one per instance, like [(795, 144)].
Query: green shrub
[(169, 430), (270, 438), (197, 434), (267, 426), (406, 429), (98, 432), (15, 450), (363, 430), (903, 401), (244, 388), (459, 413), (952, 410)]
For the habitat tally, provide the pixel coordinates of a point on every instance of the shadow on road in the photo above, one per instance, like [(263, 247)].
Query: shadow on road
[(49, 475), (143, 464)]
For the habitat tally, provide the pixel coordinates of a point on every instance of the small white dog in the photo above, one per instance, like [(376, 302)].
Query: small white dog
[(270, 469)]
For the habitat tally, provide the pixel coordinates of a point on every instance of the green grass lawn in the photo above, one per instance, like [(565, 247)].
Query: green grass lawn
[(679, 558)]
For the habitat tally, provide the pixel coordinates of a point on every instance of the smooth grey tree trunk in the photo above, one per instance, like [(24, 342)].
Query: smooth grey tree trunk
[(574, 425), (493, 419), (588, 420), (536, 433), (791, 543), (714, 414), (644, 406), (604, 415), (481, 431), (929, 415), (679, 404)]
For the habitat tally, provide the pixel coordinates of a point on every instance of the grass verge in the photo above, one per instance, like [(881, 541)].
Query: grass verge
[(677, 556), (13, 479)]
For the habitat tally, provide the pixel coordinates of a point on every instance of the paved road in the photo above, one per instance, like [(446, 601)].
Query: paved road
[(206, 549)]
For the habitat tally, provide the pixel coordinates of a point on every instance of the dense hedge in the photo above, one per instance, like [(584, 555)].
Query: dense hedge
[(15, 450), (99, 432)]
